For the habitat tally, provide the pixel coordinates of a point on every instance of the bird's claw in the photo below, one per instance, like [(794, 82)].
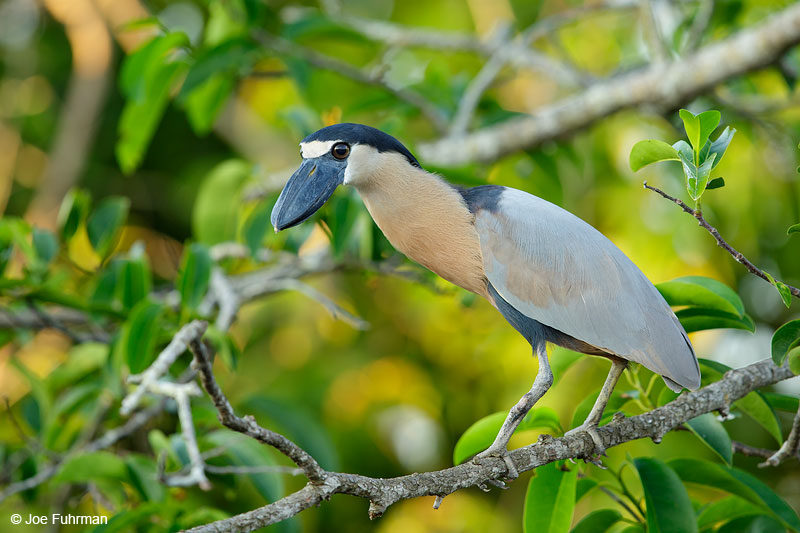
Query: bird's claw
[(511, 469), (591, 430)]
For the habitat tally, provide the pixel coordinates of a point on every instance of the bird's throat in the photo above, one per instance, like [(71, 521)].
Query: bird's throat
[(426, 219)]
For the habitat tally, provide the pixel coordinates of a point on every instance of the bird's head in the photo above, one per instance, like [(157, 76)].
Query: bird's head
[(342, 153)]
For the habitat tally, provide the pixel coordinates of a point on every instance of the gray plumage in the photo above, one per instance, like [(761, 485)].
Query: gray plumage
[(555, 268)]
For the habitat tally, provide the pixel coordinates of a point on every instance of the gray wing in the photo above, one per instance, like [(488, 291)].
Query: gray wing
[(557, 269)]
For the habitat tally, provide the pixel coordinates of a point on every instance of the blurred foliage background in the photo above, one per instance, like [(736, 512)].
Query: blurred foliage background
[(200, 164)]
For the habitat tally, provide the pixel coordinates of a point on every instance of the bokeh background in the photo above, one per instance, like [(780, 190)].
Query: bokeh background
[(394, 398)]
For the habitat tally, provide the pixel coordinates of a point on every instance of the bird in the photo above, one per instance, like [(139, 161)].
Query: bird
[(554, 277)]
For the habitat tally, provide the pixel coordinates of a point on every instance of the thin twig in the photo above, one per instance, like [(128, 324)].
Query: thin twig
[(738, 256), (750, 451), (248, 425), (248, 470), (228, 301), (180, 392), (161, 365), (333, 308), (610, 493), (790, 445)]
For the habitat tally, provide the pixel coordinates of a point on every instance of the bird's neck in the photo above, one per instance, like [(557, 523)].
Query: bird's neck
[(426, 218)]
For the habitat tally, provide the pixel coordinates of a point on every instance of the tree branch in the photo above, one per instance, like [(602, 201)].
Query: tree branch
[(790, 446), (248, 425), (382, 493), (738, 256), (663, 85)]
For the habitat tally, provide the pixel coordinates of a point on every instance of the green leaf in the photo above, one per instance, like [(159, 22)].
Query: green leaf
[(698, 319), (699, 127), (45, 244), (785, 292), (682, 147), (583, 487), (146, 79), (665, 396), (298, 424), (736, 482), (668, 506), (140, 118), (713, 434), (550, 500), (784, 338), (106, 286), (692, 126), (199, 516), (782, 402), (194, 275), (716, 183), (793, 359), (15, 231), (753, 524), (94, 466), (651, 151), (726, 509), (134, 282), (719, 146), (205, 103), (782, 288), (699, 291), (709, 120), (793, 229), (143, 64), (74, 397), (758, 408), (73, 211), (481, 434), (143, 474), (230, 56), (82, 360), (212, 78), (243, 451), (105, 222), (696, 177), (216, 210), (256, 227), (597, 521), (140, 334), (138, 519), (140, 23)]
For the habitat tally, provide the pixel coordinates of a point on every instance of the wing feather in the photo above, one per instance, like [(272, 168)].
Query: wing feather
[(557, 269)]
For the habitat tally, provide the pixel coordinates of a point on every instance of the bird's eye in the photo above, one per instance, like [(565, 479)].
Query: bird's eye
[(340, 150)]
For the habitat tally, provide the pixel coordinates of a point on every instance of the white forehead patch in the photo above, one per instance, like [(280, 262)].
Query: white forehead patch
[(314, 149)]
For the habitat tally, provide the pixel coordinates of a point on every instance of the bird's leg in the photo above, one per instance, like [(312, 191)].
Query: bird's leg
[(499, 448), (593, 420)]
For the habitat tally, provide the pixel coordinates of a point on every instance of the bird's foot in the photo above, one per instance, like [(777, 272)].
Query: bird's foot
[(591, 430), (502, 453)]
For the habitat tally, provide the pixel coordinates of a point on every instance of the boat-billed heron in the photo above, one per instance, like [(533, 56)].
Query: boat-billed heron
[(551, 275)]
